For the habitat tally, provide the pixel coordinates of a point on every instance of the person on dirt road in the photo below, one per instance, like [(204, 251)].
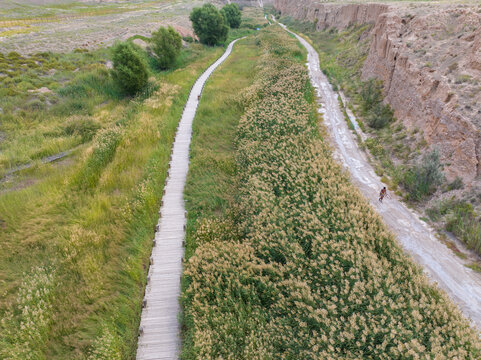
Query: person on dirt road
[(382, 194)]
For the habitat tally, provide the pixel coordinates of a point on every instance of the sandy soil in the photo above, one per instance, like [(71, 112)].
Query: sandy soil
[(67, 31), (440, 264)]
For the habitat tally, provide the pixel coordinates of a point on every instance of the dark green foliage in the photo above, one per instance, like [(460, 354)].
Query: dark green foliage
[(455, 184), (376, 113), (84, 127), (460, 219), (209, 25), (130, 71), (166, 44), (232, 15), (463, 222), (423, 178)]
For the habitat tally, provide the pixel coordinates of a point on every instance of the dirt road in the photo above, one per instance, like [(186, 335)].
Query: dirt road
[(441, 265)]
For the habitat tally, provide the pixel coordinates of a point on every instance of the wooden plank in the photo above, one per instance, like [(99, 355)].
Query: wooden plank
[(160, 330)]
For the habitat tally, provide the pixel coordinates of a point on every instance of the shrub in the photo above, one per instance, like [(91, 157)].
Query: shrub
[(376, 113), (85, 127), (379, 116), (166, 44), (423, 178), (209, 25), (232, 15), (456, 184), (129, 71)]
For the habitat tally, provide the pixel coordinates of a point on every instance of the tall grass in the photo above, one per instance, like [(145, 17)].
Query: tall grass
[(307, 270), (211, 188), (459, 218), (33, 121), (96, 242)]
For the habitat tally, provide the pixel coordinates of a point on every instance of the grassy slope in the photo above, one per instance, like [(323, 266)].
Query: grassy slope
[(94, 239)]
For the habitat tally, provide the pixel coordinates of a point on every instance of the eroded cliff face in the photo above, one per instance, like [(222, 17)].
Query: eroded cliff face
[(429, 59)]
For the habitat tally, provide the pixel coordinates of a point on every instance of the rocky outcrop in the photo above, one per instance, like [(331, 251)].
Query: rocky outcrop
[(422, 96), (330, 15), (429, 59)]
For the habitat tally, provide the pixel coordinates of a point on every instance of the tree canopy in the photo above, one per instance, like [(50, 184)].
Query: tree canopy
[(232, 14), (209, 24), (129, 70), (166, 44)]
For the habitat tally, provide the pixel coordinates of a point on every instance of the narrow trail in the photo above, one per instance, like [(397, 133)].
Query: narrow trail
[(441, 265), (159, 333)]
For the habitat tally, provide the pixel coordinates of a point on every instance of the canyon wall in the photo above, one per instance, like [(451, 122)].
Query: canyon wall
[(429, 59)]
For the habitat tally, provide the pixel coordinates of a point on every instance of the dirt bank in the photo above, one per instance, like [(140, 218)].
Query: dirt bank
[(429, 59)]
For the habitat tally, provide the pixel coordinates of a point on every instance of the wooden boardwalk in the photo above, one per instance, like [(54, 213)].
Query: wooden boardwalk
[(159, 333)]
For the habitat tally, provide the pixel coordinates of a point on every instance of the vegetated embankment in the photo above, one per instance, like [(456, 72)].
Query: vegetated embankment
[(76, 244), (300, 266), (428, 59)]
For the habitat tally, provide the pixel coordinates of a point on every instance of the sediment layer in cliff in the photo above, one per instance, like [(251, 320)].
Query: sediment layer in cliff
[(429, 59)]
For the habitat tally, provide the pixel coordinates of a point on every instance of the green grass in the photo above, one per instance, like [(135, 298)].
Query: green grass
[(475, 266), (33, 122), (89, 224), (210, 188)]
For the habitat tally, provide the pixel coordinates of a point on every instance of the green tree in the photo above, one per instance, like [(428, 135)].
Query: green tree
[(232, 14), (166, 44), (129, 70), (209, 24)]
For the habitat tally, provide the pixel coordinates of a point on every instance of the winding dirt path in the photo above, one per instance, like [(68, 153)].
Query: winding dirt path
[(441, 265), (159, 333)]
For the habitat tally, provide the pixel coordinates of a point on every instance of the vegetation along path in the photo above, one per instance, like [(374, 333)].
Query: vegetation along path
[(159, 326), (462, 284)]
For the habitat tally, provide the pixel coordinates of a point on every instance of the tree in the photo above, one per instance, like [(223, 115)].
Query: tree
[(209, 24), (129, 70), (232, 14), (166, 44)]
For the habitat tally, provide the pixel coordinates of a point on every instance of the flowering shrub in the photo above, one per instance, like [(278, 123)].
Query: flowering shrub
[(316, 275), (106, 347), (25, 328)]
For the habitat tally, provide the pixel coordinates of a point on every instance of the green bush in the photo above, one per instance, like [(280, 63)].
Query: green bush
[(376, 113), (85, 127), (463, 222), (460, 219), (209, 25), (455, 184), (166, 44), (379, 116), (232, 15), (130, 71), (423, 178)]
